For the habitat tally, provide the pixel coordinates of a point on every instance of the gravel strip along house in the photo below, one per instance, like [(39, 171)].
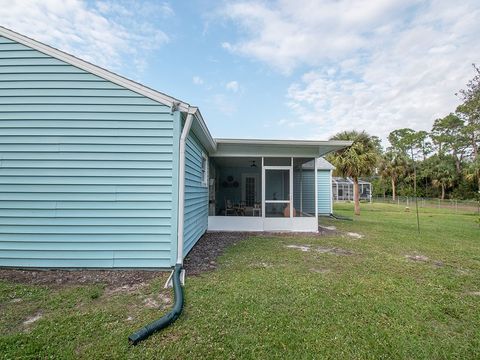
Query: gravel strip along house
[(98, 171)]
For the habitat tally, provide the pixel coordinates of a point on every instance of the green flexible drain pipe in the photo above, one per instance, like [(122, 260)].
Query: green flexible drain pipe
[(167, 319)]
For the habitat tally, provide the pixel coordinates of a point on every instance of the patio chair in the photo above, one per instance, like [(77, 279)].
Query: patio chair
[(257, 209), (229, 208), (240, 208)]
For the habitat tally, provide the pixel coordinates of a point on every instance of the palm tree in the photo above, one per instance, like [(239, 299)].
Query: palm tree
[(359, 159), (472, 172), (444, 173), (393, 166)]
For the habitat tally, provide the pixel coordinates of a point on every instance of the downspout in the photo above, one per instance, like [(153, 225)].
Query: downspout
[(181, 185), (173, 315)]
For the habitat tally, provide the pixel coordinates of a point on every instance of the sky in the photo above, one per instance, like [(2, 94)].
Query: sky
[(278, 69)]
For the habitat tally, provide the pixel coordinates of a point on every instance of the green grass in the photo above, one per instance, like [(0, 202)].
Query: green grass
[(270, 301)]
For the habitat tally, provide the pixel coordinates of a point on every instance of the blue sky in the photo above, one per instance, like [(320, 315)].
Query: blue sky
[(279, 69)]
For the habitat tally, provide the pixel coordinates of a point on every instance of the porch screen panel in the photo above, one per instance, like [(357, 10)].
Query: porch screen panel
[(277, 193), (277, 185)]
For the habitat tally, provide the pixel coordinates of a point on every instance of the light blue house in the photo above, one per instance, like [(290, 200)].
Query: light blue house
[(98, 171)]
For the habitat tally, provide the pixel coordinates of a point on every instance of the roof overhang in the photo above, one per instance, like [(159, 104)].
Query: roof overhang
[(295, 148), (200, 129)]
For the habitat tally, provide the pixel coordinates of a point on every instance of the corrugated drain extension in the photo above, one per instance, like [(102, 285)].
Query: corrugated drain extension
[(168, 318)]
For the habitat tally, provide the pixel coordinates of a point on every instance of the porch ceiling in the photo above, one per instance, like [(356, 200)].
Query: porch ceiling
[(295, 148)]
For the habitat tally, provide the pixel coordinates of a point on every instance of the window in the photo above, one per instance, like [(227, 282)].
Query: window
[(204, 179)]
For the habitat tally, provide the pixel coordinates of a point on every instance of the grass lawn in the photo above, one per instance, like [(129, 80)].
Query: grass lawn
[(365, 299)]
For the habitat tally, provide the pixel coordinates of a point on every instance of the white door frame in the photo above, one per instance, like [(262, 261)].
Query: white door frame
[(290, 195)]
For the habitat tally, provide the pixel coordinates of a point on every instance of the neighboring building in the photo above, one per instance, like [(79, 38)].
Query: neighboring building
[(342, 189), (98, 171)]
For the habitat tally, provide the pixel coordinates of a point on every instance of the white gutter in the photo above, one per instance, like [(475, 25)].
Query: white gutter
[(181, 183)]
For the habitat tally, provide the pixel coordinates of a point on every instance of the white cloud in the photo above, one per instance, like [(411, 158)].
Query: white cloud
[(286, 34), (145, 10), (374, 65), (227, 46), (232, 86), (108, 33), (197, 80)]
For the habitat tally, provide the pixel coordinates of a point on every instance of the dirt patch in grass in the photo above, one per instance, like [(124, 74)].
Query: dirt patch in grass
[(125, 289), (160, 301), (304, 248), (355, 235), (417, 258), (463, 272), (322, 250), (425, 259), (334, 250), (320, 271), (32, 319), (111, 278)]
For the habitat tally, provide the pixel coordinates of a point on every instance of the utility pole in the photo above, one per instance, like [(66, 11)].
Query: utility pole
[(415, 187)]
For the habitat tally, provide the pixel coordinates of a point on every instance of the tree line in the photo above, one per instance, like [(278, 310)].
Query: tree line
[(443, 162)]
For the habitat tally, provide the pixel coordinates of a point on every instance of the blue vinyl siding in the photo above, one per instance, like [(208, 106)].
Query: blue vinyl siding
[(196, 194), (324, 181), (88, 169)]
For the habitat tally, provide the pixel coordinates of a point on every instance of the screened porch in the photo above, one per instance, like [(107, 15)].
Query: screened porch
[(261, 193)]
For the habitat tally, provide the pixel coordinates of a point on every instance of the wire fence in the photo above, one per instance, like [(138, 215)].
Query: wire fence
[(455, 205)]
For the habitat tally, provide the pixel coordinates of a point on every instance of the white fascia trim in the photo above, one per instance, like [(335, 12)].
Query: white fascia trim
[(282, 142), (94, 69), (211, 141)]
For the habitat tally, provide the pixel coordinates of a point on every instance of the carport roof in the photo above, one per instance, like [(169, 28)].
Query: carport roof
[(266, 147)]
